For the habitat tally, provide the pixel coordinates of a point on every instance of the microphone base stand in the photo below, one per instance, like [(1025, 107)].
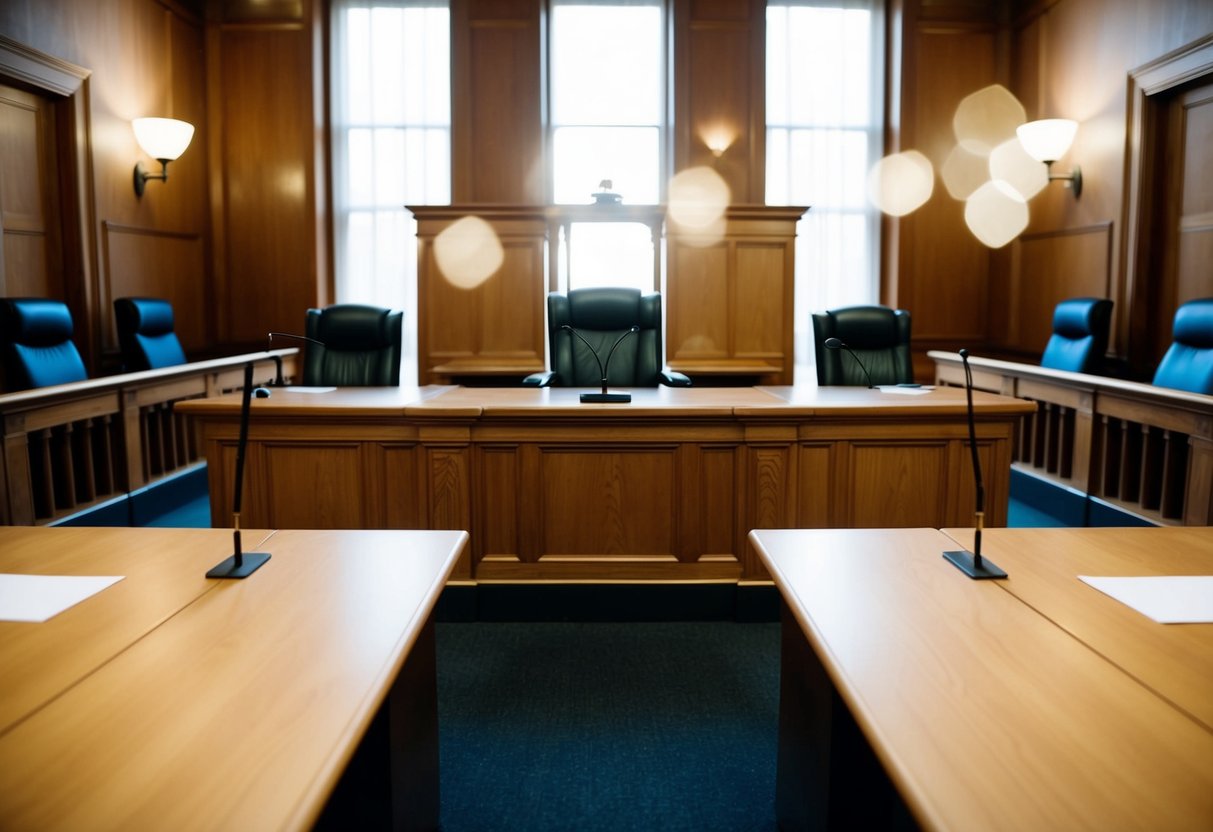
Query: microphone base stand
[(251, 562), (967, 563), (605, 398)]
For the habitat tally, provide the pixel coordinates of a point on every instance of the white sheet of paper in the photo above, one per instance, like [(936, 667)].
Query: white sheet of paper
[(40, 597), (1168, 599), (903, 391), (310, 389)]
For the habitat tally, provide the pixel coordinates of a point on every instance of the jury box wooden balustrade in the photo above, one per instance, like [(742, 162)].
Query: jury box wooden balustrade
[(73, 446), (1145, 449)]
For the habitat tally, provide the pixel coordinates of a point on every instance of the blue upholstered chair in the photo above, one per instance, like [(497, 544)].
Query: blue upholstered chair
[(877, 335), (1188, 364), (602, 315), (1080, 335), (361, 346), (37, 343), (146, 335)]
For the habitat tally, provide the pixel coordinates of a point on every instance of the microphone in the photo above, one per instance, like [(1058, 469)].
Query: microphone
[(604, 396), (972, 563), (263, 393), (241, 564), (839, 344)]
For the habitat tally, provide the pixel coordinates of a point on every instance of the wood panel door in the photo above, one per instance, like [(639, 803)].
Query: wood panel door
[(1181, 235), (30, 257)]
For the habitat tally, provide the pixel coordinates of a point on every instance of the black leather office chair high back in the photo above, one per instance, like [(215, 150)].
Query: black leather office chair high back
[(361, 346), (602, 316), (37, 343), (1080, 335), (879, 337), (146, 334), (1188, 363)]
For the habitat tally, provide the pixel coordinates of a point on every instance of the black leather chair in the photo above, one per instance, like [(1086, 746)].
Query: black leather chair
[(1080, 335), (361, 346), (602, 316), (146, 334), (1188, 363), (37, 343), (877, 335)]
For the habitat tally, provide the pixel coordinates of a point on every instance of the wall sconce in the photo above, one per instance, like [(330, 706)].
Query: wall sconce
[(718, 139), (1047, 141), (164, 139)]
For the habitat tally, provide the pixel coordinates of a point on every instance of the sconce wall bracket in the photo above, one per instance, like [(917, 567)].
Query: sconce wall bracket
[(1074, 177), (141, 175)]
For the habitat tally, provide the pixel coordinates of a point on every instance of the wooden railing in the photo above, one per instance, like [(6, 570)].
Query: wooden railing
[(1145, 449), (73, 446)]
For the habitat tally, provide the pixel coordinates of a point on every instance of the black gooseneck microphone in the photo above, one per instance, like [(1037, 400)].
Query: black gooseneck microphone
[(972, 563), (262, 392), (604, 396), (241, 564), (839, 344)]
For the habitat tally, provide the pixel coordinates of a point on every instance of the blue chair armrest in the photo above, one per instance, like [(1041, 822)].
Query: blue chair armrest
[(544, 379), (673, 378)]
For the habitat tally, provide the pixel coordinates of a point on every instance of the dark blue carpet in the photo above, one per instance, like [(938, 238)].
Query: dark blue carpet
[(608, 726)]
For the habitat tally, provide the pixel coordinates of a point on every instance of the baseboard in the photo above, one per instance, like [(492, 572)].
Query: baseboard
[(1069, 506), (608, 602), (143, 505)]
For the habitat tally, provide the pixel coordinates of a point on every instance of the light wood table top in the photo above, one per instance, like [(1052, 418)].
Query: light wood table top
[(237, 708), (984, 712), (1175, 660)]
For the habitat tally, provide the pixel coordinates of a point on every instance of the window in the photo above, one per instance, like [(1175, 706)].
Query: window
[(823, 134), (607, 99), (391, 115)]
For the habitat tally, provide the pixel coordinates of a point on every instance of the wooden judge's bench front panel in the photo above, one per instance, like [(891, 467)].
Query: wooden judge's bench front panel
[(663, 489)]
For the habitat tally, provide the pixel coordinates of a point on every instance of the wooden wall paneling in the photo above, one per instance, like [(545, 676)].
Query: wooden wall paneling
[(467, 332), (944, 284), (697, 302), (153, 263), (609, 502), (498, 123), (266, 139), (332, 470), (1053, 266), (729, 303), (719, 69)]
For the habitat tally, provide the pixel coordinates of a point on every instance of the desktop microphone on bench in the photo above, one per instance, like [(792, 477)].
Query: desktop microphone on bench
[(262, 392), (604, 396), (972, 563), (839, 344)]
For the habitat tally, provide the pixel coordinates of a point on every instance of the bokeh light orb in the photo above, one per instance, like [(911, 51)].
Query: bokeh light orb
[(468, 252), (987, 118), (996, 213), (698, 199), (1012, 164), (964, 171), (901, 182)]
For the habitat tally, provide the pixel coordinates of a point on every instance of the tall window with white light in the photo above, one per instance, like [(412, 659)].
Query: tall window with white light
[(391, 117), (824, 105), (607, 100)]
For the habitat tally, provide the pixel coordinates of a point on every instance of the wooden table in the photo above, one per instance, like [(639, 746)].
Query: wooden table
[(170, 701), (662, 489), (1031, 703)]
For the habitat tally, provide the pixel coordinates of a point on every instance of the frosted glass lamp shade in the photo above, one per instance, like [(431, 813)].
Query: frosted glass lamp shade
[(1047, 140), (163, 138)]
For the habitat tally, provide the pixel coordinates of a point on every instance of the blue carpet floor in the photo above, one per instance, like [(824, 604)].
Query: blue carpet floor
[(608, 726)]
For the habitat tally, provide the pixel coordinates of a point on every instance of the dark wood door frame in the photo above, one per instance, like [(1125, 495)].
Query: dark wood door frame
[(1149, 97), (67, 86)]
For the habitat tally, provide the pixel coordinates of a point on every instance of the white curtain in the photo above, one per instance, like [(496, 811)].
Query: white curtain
[(824, 131), (391, 122)]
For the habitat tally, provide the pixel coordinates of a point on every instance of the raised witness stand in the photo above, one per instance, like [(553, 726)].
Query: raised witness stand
[(1145, 449), (74, 446)]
